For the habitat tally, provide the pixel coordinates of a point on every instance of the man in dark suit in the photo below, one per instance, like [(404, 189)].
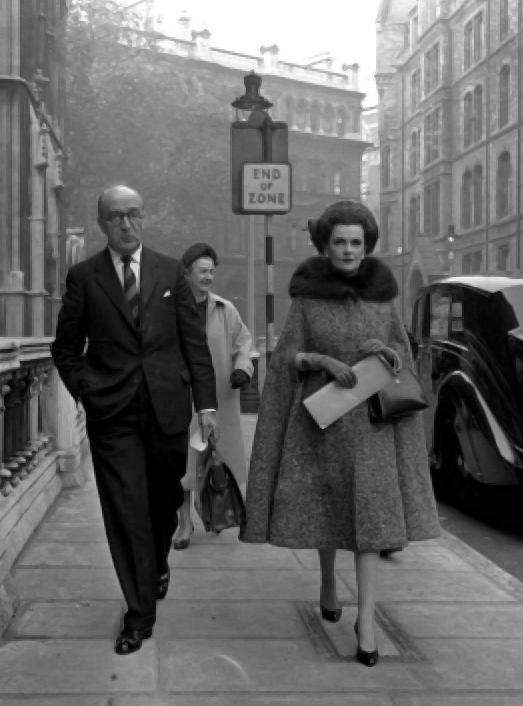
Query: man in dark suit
[(145, 350)]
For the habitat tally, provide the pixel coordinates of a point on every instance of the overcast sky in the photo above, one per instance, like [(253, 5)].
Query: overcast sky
[(301, 28)]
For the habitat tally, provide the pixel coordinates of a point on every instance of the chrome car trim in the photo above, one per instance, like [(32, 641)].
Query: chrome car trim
[(502, 442)]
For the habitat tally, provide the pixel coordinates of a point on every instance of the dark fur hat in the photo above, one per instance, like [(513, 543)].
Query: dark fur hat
[(196, 251), (316, 278), (347, 213)]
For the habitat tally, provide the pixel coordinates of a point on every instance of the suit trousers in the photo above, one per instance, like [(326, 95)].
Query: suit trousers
[(138, 471)]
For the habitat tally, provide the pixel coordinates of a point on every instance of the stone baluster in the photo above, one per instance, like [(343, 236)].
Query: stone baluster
[(5, 474), (14, 414)]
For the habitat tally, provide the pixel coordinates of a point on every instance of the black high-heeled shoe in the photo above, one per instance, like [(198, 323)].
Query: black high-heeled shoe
[(369, 659), (332, 616)]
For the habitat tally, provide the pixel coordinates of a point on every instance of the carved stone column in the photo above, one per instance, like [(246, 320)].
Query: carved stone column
[(60, 419), (5, 474)]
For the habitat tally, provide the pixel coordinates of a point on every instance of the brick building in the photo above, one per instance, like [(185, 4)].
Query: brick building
[(449, 79), (32, 96)]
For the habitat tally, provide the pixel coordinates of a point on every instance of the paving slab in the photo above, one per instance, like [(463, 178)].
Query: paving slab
[(66, 554), (488, 664), (89, 514), (237, 556), (200, 584), (268, 665), (57, 701), (216, 619), (200, 536), (71, 532), (88, 619), (431, 558), (344, 639), (82, 583), (75, 666), (434, 586), (449, 700), (436, 620), (248, 699)]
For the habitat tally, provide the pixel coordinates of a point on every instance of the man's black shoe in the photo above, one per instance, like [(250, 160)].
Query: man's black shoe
[(129, 641), (163, 585)]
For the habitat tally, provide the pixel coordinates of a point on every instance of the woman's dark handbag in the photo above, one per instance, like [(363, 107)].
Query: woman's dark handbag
[(218, 500), (401, 398)]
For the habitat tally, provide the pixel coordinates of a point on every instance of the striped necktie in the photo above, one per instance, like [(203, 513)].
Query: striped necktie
[(130, 288)]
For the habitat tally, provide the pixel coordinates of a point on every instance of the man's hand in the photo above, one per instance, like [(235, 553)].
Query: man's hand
[(208, 425), (239, 379)]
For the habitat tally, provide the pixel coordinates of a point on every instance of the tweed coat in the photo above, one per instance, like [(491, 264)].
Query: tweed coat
[(354, 485)]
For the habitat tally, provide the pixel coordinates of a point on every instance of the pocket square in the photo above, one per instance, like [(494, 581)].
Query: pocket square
[(167, 293)]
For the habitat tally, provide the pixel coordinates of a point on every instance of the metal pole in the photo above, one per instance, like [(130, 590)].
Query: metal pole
[(269, 297), (251, 306)]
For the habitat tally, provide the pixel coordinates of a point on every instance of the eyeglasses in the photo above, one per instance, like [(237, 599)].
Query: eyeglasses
[(115, 218)]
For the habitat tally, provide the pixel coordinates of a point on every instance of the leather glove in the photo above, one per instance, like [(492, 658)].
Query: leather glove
[(239, 379)]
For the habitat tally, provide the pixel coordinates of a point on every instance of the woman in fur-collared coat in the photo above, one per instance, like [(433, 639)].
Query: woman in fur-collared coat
[(354, 486)]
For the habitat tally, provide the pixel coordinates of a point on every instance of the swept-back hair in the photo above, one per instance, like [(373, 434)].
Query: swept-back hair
[(346, 213)]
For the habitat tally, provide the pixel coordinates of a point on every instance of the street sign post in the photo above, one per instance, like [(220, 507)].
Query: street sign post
[(260, 176), (266, 188)]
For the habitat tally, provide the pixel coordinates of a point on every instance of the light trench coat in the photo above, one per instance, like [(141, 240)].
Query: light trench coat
[(230, 344)]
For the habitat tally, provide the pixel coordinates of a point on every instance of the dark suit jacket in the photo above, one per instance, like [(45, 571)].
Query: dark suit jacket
[(169, 349)]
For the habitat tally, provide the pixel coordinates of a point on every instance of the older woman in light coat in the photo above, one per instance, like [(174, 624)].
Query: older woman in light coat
[(230, 344)]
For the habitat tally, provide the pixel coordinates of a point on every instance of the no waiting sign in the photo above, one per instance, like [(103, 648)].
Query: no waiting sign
[(266, 187)]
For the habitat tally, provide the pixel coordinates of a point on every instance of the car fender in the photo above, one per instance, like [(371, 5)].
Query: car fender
[(487, 451)]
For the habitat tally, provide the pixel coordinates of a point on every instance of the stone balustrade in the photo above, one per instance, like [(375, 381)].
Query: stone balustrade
[(43, 448)]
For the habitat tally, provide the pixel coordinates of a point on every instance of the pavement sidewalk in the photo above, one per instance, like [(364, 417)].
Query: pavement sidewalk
[(240, 626)]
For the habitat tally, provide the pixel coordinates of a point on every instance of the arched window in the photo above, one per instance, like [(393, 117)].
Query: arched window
[(337, 183), (467, 119), (341, 119), (414, 153), (504, 95), (466, 200), (478, 194), (385, 167), (315, 117), (301, 115), (478, 113), (503, 20), (328, 120), (503, 184)]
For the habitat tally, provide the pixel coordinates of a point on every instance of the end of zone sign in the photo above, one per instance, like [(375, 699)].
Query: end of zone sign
[(266, 187)]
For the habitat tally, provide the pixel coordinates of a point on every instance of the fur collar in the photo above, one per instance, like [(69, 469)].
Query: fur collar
[(317, 279)]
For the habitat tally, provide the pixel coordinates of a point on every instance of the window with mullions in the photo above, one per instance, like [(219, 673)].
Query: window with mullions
[(431, 208), (504, 95), (431, 69), (431, 135), (503, 20), (503, 256)]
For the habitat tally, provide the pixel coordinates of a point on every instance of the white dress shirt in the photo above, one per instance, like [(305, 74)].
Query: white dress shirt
[(136, 260)]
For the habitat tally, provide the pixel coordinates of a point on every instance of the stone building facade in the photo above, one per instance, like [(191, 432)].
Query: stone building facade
[(32, 96), (449, 78), (43, 444)]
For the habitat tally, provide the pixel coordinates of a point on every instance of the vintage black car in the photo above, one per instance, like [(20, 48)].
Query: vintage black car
[(469, 334)]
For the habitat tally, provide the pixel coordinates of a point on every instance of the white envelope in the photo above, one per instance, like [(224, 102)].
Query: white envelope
[(196, 443), (333, 401)]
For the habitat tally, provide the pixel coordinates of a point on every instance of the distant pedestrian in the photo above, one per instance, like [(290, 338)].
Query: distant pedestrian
[(354, 485), (145, 351), (230, 343)]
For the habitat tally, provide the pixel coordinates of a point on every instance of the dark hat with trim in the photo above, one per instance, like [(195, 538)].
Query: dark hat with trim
[(196, 251)]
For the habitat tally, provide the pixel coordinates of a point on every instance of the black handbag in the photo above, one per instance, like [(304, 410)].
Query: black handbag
[(218, 500), (401, 398)]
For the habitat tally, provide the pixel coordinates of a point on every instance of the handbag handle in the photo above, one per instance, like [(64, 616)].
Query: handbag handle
[(393, 369)]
